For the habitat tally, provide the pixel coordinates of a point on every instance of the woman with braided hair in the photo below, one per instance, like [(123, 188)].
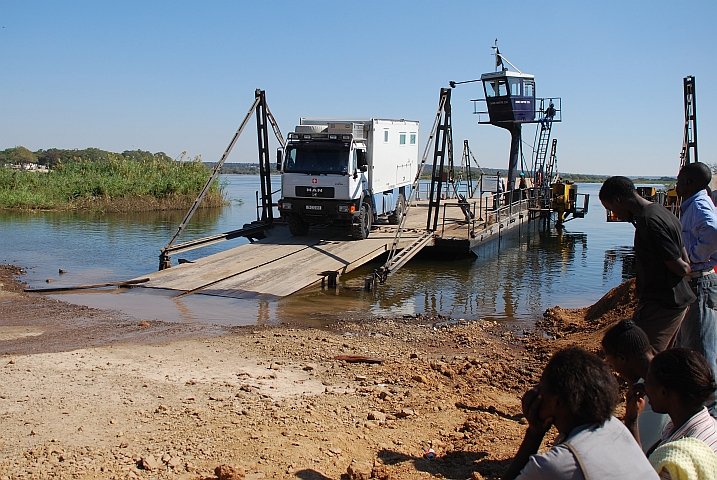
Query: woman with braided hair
[(680, 382), (628, 351)]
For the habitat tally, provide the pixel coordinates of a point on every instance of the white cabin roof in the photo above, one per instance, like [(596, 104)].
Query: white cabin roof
[(507, 73)]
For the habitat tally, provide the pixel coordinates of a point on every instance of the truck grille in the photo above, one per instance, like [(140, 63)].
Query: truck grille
[(319, 192)]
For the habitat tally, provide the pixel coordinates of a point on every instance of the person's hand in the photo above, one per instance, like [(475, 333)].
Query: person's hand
[(531, 406), (634, 403)]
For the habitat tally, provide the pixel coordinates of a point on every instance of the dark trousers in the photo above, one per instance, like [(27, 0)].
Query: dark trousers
[(660, 323)]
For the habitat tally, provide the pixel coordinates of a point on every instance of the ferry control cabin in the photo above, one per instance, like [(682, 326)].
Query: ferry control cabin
[(510, 96)]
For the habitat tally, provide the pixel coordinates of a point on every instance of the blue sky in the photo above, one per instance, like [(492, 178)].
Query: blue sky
[(180, 76)]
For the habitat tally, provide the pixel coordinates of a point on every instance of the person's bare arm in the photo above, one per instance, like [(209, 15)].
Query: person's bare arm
[(533, 435), (634, 404)]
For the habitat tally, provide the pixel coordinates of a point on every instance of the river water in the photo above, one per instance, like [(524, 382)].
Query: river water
[(514, 281)]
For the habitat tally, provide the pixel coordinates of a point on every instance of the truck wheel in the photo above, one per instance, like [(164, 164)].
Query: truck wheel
[(396, 216), (297, 226), (361, 228)]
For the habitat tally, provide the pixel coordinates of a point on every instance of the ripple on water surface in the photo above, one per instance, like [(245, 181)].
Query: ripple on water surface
[(514, 281)]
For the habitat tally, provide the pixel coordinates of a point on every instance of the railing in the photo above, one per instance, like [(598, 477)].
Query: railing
[(492, 209), (480, 108), (448, 192)]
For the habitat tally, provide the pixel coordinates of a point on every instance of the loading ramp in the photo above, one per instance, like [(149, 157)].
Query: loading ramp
[(277, 265)]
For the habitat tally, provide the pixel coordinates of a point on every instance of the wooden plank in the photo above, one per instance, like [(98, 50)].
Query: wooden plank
[(221, 265), (282, 264), (278, 265), (127, 283), (305, 268)]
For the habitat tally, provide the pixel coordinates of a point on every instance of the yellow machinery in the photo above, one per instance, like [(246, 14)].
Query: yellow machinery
[(672, 202), (668, 199), (564, 201)]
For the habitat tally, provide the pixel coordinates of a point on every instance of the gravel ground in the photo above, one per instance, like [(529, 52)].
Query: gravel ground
[(87, 393)]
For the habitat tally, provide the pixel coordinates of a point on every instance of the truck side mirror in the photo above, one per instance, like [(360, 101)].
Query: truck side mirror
[(361, 161), (279, 155)]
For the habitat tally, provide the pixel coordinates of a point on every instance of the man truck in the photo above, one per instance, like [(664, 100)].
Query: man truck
[(347, 173)]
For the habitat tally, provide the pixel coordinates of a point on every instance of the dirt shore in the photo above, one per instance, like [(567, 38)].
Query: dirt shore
[(88, 393)]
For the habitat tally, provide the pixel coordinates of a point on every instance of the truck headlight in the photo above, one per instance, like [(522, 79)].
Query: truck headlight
[(285, 205), (344, 209)]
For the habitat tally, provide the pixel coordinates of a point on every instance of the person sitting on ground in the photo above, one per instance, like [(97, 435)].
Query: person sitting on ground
[(679, 382), (628, 351), (577, 393)]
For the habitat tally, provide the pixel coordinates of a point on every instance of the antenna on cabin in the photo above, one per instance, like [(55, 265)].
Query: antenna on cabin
[(499, 59)]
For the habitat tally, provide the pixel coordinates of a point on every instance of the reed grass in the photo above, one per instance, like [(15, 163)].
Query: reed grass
[(117, 184)]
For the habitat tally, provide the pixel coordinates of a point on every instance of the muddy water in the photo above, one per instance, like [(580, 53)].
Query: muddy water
[(515, 280)]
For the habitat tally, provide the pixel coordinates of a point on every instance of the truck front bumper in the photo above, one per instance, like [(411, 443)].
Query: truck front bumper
[(315, 210)]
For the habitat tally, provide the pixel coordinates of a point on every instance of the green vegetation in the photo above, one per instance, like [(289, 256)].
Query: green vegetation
[(94, 179)]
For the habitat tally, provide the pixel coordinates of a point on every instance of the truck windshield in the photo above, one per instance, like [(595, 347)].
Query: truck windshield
[(317, 157)]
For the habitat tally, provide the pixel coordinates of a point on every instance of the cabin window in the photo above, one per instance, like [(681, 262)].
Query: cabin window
[(496, 88), (514, 86), (528, 88), (413, 139), (401, 138), (502, 88), (385, 136), (490, 88)]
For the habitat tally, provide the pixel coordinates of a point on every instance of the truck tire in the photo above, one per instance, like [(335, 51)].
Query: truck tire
[(395, 217), (297, 226), (361, 228)]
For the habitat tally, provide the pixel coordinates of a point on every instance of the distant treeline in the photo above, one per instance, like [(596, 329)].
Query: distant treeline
[(53, 156), (583, 178), (587, 178), (253, 169), (239, 168)]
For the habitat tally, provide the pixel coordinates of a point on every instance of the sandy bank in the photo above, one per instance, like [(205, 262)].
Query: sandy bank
[(88, 393)]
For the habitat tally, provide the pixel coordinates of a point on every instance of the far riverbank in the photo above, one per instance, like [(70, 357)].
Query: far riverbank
[(98, 181)]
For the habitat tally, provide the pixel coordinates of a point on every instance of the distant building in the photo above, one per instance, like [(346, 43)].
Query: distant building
[(30, 167)]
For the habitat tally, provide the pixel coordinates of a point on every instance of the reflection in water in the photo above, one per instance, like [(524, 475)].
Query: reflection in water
[(626, 257), (98, 248), (505, 284), (516, 279)]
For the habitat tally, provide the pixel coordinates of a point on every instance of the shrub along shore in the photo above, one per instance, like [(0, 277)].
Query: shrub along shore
[(101, 181)]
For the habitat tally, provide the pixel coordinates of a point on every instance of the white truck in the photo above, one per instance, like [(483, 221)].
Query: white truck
[(347, 172)]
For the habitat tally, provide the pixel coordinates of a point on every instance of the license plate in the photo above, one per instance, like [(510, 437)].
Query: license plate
[(313, 207)]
